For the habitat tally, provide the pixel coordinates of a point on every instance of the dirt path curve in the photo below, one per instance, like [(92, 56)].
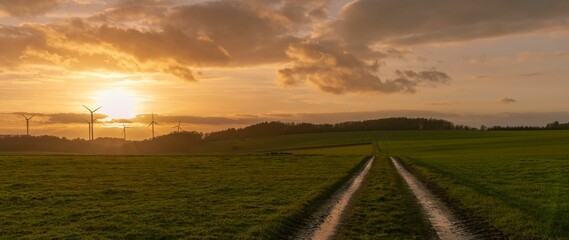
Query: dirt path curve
[(324, 223), (439, 214)]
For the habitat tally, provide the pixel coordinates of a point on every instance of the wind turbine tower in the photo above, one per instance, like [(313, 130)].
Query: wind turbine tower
[(28, 123), (92, 120), (152, 124), (124, 127), (89, 128), (178, 128)]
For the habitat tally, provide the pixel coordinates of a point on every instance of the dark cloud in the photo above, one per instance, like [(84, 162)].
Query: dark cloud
[(506, 100), (181, 72), (174, 37), (248, 119), (533, 56), (26, 7), (336, 71), (474, 120), (481, 77), (78, 45), (54, 118), (238, 120), (14, 41), (169, 43), (532, 74), (416, 21), (251, 34)]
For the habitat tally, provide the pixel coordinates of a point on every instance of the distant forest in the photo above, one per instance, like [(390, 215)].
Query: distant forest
[(184, 142)]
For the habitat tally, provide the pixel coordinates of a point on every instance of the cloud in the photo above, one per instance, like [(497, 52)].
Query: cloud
[(78, 45), (251, 34), (336, 71), (181, 72), (21, 8), (532, 74), (506, 100), (533, 56), (200, 120), (481, 77), (65, 118), (410, 22), (152, 36), (179, 38)]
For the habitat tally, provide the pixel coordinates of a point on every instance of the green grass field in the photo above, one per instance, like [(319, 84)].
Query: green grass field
[(166, 197), (284, 143), (357, 150), (517, 181)]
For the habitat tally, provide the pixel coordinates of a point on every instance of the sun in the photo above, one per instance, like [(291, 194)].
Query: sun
[(117, 103)]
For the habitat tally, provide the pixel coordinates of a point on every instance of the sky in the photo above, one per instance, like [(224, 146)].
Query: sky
[(230, 63)]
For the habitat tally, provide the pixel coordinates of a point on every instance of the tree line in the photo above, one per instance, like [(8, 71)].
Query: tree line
[(550, 126), (186, 141)]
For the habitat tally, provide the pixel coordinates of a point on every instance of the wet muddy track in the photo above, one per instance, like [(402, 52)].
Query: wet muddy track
[(324, 223), (448, 219)]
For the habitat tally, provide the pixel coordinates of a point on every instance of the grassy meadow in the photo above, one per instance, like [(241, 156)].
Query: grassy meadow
[(516, 181), (163, 197), (285, 143)]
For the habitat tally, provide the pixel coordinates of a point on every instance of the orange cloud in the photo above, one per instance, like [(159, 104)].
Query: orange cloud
[(506, 100), (338, 56), (335, 71), (411, 22), (26, 7)]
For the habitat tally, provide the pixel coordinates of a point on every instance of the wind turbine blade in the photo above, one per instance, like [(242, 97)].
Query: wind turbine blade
[(150, 124), (97, 108), (24, 115), (87, 108), (32, 116)]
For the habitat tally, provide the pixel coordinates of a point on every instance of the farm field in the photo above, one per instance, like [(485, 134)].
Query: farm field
[(300, 142), (357, 150), (516, 181), (221, 197), (284, 142)]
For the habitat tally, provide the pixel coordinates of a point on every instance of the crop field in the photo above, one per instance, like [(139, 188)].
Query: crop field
[(516, 181), (220, 197)]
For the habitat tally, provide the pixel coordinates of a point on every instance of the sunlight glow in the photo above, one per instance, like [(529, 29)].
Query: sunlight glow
[(117, 103)]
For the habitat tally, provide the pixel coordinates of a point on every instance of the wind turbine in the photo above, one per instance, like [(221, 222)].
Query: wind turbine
[(92, 119), (28, 123), (152, 124), (124, 127), (89, 128), (178, 128)]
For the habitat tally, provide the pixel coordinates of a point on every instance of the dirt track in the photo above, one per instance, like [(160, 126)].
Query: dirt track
[(324, 223), (439, 215)]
